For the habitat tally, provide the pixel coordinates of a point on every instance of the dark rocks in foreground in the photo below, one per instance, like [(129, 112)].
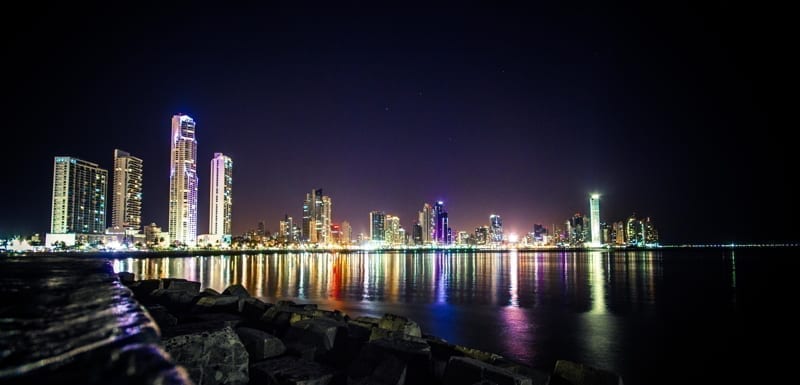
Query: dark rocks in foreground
[(74, 321)]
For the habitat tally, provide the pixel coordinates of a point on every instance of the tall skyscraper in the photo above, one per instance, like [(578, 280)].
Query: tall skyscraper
[(317, 217), (347, 233), (377, 225), (183, 181), (426, 221), (126, 204), (392, 230), (221, 202), (594, 212), (441, 224), (79, 197), (496, 228)]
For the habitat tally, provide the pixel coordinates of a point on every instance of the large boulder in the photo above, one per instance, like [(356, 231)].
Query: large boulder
[(210, 356), (416, 356), (573, 373), (291, 371), (465, 370), (190, 287), (217, 304), (314, 338), (260, 345), (236, 290), (126, 278), (252, 308), (400, 324)]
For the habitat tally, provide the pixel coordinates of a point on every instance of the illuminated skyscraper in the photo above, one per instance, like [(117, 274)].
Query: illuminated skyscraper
[(183, 181), (392, 229), (221, 202), (496, 228), (126, 205), (79, 197), (317, 217), (426, 221), (594, 212), (377, 225), (441, 224), (347, 233)]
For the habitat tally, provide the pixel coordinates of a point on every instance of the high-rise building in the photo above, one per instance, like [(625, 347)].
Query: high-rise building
[(428, 224), (416, 233), (650, 232), (481, 235), (576, 228), (377, 225), (183, 181), (79, 197), (286, 229), (392, 230), (441, 224), (221, 202), (539, 232), (594, 217), (347, 234), (317, 217), (634, 233), (495, 228), (619, 233), (126, 204)]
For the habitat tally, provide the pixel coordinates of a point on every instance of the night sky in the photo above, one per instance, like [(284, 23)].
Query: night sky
[(670, 111)]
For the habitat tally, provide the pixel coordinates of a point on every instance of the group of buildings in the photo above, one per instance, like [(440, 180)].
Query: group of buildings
[(80, 200), (79, 204)]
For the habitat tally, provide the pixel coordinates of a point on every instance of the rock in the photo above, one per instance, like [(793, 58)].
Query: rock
[(142, 289), (573, 373), (126, 278), (209, 292), (220, 303), (291, 371), (260, 344), (415, 355), (252, 308), (236, 290), (313, 338), (190, 287), (465, 370), (210, 356), (378, 333), (399, 324), (174, 300), (538, 377), (335, 315), (360, 328), (162, 317)]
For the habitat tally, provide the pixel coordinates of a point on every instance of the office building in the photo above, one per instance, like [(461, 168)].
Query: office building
[(79, 197)]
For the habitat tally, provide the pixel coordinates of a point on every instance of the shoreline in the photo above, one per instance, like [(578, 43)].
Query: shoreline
[(206, 252)]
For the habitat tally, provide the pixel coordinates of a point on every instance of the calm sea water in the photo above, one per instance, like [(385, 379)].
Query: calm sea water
[(655, 317)]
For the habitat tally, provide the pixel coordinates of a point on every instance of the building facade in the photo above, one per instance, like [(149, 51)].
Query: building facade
[(221, 199), (594, 218), (377, 226), (126, 204), (79, 197), (183, 181)]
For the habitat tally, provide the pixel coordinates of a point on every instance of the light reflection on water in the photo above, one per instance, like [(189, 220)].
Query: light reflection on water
[(530, 306)]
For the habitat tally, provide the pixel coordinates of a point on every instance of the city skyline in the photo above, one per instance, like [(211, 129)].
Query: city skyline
[(518, 111)]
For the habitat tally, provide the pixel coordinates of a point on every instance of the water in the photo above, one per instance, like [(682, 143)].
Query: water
[(685, 316)]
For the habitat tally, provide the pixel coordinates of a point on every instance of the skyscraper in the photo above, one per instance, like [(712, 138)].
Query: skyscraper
[(441, 223), (594, 212), (317, 217), (347, 233), (221, 202), (79, 197), (126, 204), (495, 228), (427, 223), (377, 225), (183, 181)]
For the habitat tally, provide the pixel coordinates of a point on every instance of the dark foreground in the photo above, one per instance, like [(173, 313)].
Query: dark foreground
[(73, 320)]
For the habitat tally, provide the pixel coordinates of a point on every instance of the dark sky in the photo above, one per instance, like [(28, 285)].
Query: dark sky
[(669, 111)]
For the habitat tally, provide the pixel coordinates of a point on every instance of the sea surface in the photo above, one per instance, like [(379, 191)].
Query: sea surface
[(655, 317)]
